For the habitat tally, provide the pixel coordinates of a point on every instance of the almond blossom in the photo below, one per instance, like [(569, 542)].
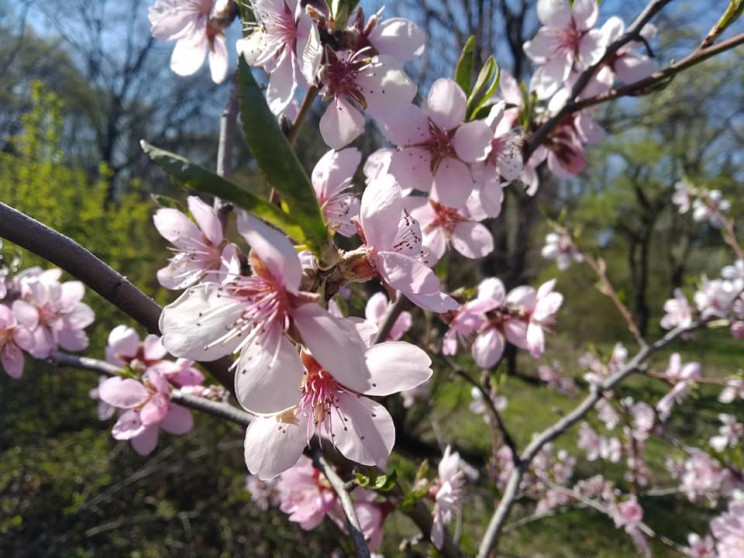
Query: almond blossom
[(199, 248), (147, 408), (447, 494), (629, 66), (284, 42), (374, 312), (256, 316), (560, 247), (360, 428), (442, 226), (392, 242), (436, 144), (15, 338), (681, 377), (728, 529), (190, 23), (124, 348), (565, 42), (355, 81)]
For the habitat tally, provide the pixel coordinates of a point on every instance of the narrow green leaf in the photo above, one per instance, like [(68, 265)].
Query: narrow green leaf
[(168, 202), (190, 175), (466, 65), (732, 13), (278, 162), (476, 103)]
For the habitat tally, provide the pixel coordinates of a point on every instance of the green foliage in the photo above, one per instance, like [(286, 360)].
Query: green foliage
[(466, 65), (280, 165)]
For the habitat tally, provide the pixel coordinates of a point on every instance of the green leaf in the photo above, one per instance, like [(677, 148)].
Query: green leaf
[(466, 65), (383, 483), (189, 175), (476, 101), (732, 13), (168, 203), (278, 162)]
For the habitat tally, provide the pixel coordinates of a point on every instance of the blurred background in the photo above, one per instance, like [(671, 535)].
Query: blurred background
[(83, 81)]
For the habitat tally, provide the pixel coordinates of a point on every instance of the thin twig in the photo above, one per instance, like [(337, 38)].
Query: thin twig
[(307, 104), (391, 315), (64, 252), (228, 123), (611, 293), (495, 415), (357, 536), (509, 495)]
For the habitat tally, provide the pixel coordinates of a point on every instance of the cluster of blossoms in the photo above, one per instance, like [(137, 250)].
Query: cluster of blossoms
[(714, 299), (494, 317), (39, 314), (559, 247), (707, 205), (143, 391)]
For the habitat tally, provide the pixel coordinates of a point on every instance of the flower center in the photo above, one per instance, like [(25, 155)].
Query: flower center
[(447, 218), (341, 72)]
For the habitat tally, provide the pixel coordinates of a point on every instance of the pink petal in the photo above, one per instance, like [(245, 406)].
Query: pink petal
[(380, 212), (387, 88), (634, 67), (218, 60), (396, 366), (335, 344), (555, 13), (146, 441), (515, 332), (24, 313), (175, 227), (445, 105), (188, 55), (334, 172), (122, 393), (206, 219), (585, 14), (197, 320), (152, 348), (72, 339), (398, 37), (488, 348), (535, 340), (274, 389), (415, 280), (128, 426), (411, 167), (273, 249), (271, 448), (177, 421), (452, 183), (543, 46), (493, 289), (122, 340), (375, 308), (472, 240), (341, 123), (155, 409), (11, 357), (282, 85), (408, 126), (471, 140), (363, 430)]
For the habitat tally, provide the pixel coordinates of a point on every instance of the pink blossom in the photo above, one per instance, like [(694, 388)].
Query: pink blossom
[(442, 226), (332, 178), (189, 23), (266, 493), (553, 375), (57, 310), (729, 434), (683, 196), (678, 311), (285, 43), (565, 42), (447, 494), (125, 349), (643, 418), (710, 206), (728, 529), (629, 67), (305, 494), (560, 247), (253, 315), (148, 408), (357, 81), (361, 429), (681, 377), (702, 476), (375, 310), (538, 310), (734, 389), (478, 405), (199, 249), (392, 242), (15, 337), (699, 547), (436, 145), (397, 37)]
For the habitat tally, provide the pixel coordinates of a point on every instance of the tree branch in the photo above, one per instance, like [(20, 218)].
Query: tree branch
[(508, 498), (360, 545), (64, 252)]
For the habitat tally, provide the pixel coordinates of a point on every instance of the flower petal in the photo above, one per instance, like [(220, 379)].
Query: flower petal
[(272, 447), (122, 393), (396, 366), (362, 430)]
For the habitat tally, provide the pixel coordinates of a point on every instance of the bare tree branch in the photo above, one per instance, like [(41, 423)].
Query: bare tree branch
[(500, 515)]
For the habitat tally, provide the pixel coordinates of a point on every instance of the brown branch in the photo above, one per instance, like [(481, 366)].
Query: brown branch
[(64, 252), (610, 292)]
